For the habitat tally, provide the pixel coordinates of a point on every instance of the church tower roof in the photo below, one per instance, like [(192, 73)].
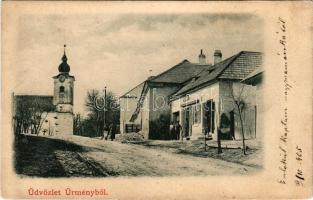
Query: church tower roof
[(64, 67)]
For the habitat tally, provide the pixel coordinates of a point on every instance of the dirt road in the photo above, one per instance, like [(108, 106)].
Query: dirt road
[(82, 156), (116, 159)]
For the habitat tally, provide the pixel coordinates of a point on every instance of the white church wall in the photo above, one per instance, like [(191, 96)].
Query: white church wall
[(48, 124), (54, 123), (64, 124)]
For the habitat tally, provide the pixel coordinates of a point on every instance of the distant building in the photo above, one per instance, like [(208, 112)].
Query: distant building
[(147, 107), (55, 112)]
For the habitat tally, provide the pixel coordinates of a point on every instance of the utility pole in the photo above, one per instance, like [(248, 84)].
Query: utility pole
[(104, 107)]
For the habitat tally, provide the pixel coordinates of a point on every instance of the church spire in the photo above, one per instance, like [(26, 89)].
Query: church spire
[(64, 58), (64, 67)]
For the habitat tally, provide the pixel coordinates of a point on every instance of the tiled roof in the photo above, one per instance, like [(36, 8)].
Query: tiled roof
[(43, 101), (253, 74), (46, 98), (246, 63), (180, 73), (235, 67)]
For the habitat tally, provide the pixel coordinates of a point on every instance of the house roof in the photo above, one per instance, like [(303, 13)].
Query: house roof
[(235, 67), (40, 98), (253, 74), (244, 64), (254, 77), (43, 101), (180, 73), (32, 97)]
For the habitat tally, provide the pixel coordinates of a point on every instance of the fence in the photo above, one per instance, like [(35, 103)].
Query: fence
[(130, 128)]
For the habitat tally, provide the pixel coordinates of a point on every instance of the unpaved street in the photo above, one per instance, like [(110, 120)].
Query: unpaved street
[(83, 156), (116, 159)]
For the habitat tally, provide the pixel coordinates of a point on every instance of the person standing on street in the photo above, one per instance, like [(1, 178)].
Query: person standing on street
[(177, 130), (172, 131), (112, 131)]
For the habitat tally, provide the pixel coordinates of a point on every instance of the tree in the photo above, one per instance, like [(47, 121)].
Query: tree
[(239, 97), (30, 113), (77, 124), (95, 104)]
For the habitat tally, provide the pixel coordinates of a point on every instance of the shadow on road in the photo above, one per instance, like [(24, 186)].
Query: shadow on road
[(50, 157)]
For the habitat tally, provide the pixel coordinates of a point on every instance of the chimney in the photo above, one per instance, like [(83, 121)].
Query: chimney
[(217, 56), (202, 60)]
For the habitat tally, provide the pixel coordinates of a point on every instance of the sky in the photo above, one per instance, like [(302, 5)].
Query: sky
[(121, 50)]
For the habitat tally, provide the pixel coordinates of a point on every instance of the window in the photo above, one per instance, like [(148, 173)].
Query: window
[(61, 89), (61, 94), (197, 113), (72, 95)]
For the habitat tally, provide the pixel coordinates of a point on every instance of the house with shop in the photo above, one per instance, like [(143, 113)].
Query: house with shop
[(47, 115), (208, 103), (147, 108)]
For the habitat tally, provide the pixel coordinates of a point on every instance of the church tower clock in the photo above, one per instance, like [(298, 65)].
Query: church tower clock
[(63, 97), (64, 88)]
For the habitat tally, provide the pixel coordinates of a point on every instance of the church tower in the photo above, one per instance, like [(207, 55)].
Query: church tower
[(63, 97)]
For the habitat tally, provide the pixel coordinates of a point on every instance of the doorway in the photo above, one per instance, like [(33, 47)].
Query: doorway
[(208, 124), (175, 117), (187, 121)]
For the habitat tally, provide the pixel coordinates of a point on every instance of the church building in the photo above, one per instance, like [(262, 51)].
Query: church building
[(54, 113)]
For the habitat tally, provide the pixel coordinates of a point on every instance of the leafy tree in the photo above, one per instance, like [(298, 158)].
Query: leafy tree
[(77, 124), (100, 109), (30, 113)]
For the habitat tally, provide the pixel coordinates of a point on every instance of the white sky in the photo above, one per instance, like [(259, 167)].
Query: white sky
[(119, 50)]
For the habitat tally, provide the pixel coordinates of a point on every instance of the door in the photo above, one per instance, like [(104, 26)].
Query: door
[(209, 116), (187, 123), (232, 124), (176, 117), (190, 119)]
